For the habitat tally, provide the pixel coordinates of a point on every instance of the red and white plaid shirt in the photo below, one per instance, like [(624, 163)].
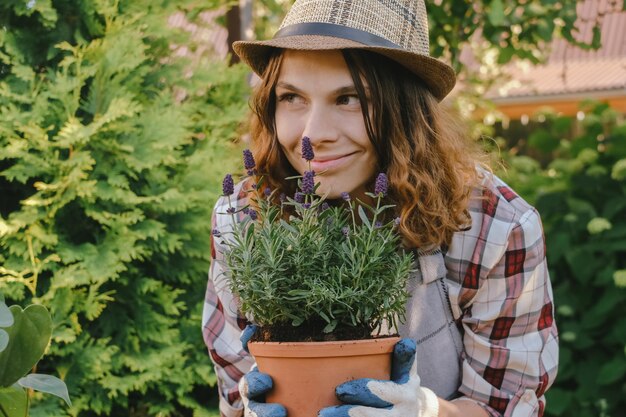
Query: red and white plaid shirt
[(500, 294)]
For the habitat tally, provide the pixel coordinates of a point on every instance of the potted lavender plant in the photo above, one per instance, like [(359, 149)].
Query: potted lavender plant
[(316, 274)]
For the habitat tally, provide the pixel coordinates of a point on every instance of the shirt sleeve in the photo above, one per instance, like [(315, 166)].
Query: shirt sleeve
[(510, 338), (222, 323)]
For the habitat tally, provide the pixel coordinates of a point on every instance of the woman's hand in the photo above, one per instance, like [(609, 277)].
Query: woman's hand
[(402, 396), (252, 388), (254, 385)]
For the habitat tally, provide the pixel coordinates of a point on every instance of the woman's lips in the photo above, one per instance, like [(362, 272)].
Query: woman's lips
[(324, 164)]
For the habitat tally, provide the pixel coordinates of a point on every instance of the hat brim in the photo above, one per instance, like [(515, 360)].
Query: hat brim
[(438, 76)]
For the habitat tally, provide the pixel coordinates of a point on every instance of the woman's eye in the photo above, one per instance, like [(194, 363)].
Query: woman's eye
[(288, 98), (348, 100)]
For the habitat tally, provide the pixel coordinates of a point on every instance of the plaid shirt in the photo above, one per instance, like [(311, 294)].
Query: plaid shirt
[(500, 294)]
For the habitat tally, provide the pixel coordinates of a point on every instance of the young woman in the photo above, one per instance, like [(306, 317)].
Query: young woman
[(356, 79)]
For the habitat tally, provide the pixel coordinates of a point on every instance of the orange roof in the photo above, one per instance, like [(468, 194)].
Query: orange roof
[(571, 71)]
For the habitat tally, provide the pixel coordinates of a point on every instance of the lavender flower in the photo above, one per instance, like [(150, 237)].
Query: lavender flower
[(282, 197), (228, 185), (397, 221), (216, 233), (307, 149), (299, 197), (246, 210), (267, 191), (248, 161), (378, 225), (324, 206), (345, 231), (306, 205), (345, 196), (231, 210), (308, 182), (253, 214), (382, 184)]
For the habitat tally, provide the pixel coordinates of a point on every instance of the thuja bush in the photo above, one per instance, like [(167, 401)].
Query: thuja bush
[(581, 196), (111, 154)]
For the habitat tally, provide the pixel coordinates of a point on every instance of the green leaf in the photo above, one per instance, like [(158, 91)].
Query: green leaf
[(612, 371), (6, 318), (330, 326), (496, 13), (4, 339), (619, 278), (559, 400), (543, 141), (28, 338), (46, 383), (363, 217), (14, 401)]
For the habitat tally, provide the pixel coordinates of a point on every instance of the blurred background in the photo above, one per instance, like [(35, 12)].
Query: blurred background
[(118, 119)]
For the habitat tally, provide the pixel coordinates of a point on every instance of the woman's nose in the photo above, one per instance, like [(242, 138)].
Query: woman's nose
[(320, 125)]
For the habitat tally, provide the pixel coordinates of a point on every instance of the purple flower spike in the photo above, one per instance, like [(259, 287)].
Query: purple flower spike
[(324, 206), (231, 210), (253, 214), (299, 197), (248, 160), (216, 233), (267, 192), (307, 149), (378, 225), (245, 210), (308, 182), (345, 196), (397, 221), (282, 197), (382, 184), (228, 185), (345, 231), (306, 205)]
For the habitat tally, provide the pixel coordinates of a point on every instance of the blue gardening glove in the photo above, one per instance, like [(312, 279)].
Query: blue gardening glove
[(401, 397), (254, 385)]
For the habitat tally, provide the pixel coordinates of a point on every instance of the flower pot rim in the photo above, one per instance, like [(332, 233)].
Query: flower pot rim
[(338, 348)]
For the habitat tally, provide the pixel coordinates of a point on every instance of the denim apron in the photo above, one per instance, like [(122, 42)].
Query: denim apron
[(430, 322)]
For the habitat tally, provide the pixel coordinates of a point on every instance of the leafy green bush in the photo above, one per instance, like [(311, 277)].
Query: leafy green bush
[(581, 196), (111, 149)]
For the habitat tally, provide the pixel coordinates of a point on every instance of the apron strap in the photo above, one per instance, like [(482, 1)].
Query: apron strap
[(431, 264)]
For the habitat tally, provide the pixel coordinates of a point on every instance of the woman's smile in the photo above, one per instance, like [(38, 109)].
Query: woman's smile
[(325, 163)]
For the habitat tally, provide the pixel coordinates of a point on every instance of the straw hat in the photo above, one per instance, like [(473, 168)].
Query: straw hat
[(397, 29)]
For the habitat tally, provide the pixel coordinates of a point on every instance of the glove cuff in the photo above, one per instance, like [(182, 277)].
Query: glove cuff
[(430, 404)]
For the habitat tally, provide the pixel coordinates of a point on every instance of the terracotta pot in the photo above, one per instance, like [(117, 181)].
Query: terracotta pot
[(305, 374)]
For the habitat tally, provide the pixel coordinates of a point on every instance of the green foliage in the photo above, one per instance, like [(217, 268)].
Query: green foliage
[(340, 266), (511, 28), (27, 335), (581, 196), (110, 150)]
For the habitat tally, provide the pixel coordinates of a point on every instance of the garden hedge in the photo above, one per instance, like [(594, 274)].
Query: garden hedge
[(111, 149)]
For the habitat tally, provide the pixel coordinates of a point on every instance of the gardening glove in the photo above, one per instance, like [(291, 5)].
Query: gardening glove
[(401, 397), (254, 385)]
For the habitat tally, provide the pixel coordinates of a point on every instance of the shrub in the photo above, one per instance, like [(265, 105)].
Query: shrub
[(110, 153), (581, 196)]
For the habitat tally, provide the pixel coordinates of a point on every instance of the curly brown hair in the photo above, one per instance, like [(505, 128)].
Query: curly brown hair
[(425, 151)]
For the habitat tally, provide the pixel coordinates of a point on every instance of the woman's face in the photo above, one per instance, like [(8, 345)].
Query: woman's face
[(316, 97)]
